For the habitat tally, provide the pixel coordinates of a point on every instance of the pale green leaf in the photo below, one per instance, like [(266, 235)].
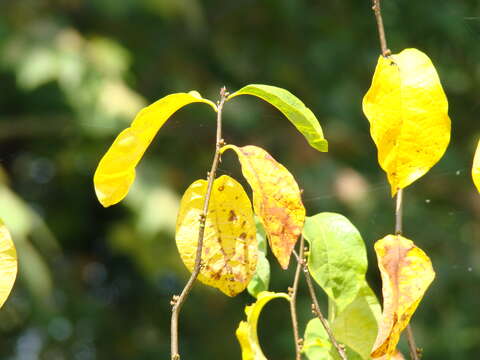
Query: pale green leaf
[(357, 325), (293, 108), (261, 279), (337, 258)]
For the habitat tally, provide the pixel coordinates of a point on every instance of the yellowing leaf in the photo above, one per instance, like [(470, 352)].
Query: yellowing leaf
[(116, 171), (8, 264), (290, 106), (276, 199), (408, 114), (476, 168), (247, 330), (229, 254), (406, 274)]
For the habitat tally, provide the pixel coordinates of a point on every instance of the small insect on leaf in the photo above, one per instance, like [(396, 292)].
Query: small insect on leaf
[(476, 168), (406, 274), (408, 114), (116, 171), (276, 199), (8, 264), (294, 109), (229, 253), (247, 330)]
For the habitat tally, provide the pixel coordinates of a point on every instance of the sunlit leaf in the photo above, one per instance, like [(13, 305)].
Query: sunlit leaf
[(406, 274), (357, 325), (261, 279), (8, 263), (337, 258), (408, 114), (476, 168), (276, 199), (317, 345), (294, 109), (229, 255), (116, 171), (247, 330)]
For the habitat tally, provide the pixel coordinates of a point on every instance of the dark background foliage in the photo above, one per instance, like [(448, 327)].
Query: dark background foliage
[(96, 283)]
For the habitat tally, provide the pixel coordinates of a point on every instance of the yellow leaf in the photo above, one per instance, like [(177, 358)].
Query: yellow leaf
[(406, 274), (229, 253), (276, 199), (8, 264), (408, 114), (116, 171), (247, 330), (476, 168)]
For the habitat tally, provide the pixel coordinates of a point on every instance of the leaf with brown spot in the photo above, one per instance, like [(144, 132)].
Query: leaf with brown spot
[(276, 199), (406, 274), (229, 254)]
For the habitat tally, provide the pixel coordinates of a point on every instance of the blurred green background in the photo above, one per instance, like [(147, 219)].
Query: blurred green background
[(96, 283)]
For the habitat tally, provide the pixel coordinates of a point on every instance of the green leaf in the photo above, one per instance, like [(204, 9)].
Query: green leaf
[(261, 279), (293, 108), (357, 325), (318, 346), (337, 258), (116, 171)]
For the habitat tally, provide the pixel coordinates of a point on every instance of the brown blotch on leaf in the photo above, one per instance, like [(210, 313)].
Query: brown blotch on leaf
[(232, 216), (221, 188), (243, 236)]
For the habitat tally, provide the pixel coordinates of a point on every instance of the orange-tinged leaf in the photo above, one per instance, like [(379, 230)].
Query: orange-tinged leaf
[(229, 254), (247, 330), (116, 171), (476, 168), (8, 264), (406, 274), (276, 199), (408, 114)]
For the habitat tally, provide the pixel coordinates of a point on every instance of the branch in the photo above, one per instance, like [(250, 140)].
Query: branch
[(381, 30), (316, 307), (414, 351), (178, 301), (293, 305)]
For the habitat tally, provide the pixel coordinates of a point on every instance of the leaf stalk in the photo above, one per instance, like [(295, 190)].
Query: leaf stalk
[(293, 306), (316, 307)]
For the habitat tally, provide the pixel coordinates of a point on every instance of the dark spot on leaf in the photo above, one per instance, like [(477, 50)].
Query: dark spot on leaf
[(243, 223), (232, 216), (243, 236), (221, 187)]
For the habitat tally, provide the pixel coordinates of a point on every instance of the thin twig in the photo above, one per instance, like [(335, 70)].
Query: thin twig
[(178, 301), (398, 212), (316, 310), (381, 30), (293, 305), (414, 353)]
